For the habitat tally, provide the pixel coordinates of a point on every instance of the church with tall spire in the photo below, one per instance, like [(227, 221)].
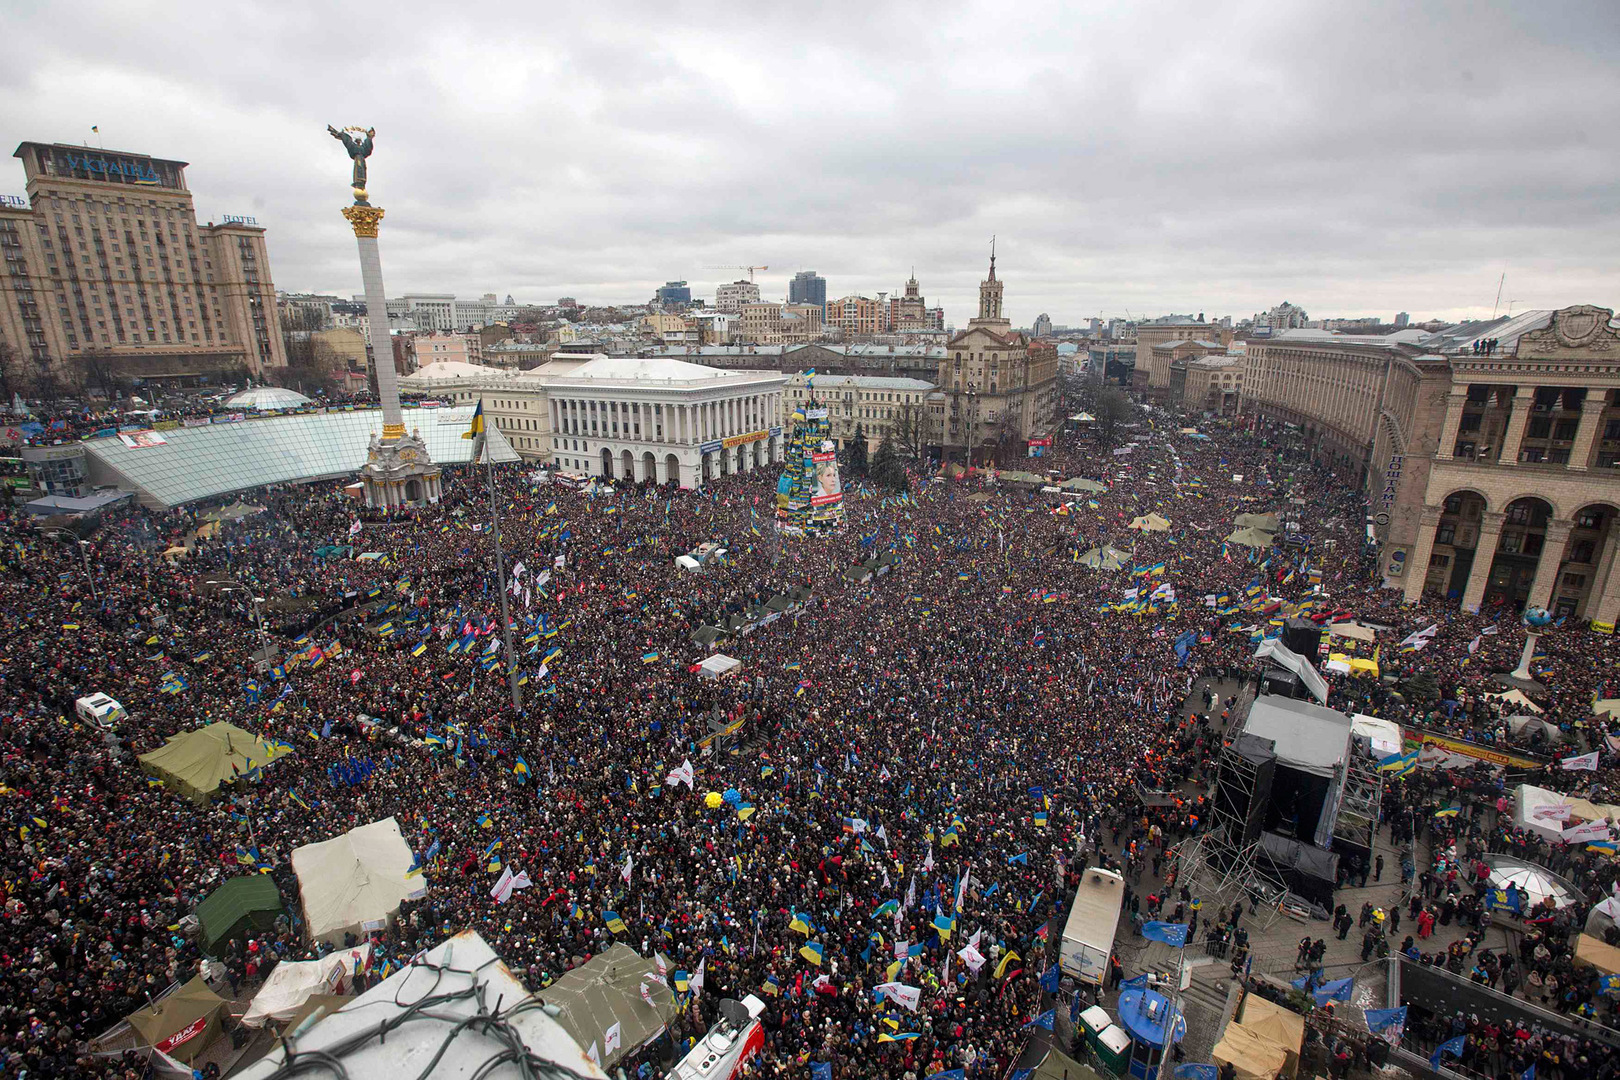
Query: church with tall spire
[(1001, 390)]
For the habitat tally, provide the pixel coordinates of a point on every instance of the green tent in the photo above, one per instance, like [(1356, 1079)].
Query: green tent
[(249, 902), (1254, 538), (195, 763), (1105, 558), (617, 988), (1263, 522)]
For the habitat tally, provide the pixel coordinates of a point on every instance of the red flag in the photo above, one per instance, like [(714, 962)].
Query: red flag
[(354, 676)]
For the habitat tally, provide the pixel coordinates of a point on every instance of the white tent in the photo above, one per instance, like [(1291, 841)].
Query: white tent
[(291, 983), (1516, 697), (1384, 736), (686, 562), (1528, 800), (717, 665), (355, 882)]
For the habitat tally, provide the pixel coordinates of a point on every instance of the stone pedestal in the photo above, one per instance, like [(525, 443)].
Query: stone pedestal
[(399, 473)]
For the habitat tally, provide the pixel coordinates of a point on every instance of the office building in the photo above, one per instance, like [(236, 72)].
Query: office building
[(1156, 350), (674, 294), (808, 287), (732, 295), (1043, 325), (1490, 451), (106, 268), (910, 412), (1401, 320)]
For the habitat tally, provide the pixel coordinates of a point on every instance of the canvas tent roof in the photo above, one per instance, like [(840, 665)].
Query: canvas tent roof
[(1263, 522), (467, 978), (1153, 522), (1105, 559), (251, 901), (1281, 655), (1307, 737), (718, 665), (1253, 1056), (1597, 953), (1607, 707), (1351, 630), (1527, 799), (1535, 881), (1255, 538), (1384, 735), (1081, 483), (1516, 696), (292, 983), (354, 882), (1060, 1066), (195, 763), (607, 991), (182, 1024), (1271, 1021)]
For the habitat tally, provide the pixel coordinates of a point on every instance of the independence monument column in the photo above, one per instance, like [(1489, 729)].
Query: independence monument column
[(398, 471)]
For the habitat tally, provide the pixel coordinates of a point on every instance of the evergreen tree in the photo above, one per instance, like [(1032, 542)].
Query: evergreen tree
[(858, 463), (887, 469)]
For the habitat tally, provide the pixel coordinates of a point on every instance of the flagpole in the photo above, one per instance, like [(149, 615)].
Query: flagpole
[(500, 581)]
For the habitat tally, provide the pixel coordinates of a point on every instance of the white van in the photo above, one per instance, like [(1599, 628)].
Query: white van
[(99, 709)]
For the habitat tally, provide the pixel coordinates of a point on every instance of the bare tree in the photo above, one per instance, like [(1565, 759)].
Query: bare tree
[(912, 430), (95, 371), (11, 381)]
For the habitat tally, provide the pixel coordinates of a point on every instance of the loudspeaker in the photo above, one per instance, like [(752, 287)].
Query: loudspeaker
[(1282, 682), (1303, 637)]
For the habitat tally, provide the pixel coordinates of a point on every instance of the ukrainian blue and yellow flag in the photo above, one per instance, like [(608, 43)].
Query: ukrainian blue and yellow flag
[(812, 951), (1399, 764), (476, 427), (613, 922), (800, 924)]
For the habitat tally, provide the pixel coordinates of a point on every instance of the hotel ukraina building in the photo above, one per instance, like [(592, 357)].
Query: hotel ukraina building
[(105, 259), (1488, 451)]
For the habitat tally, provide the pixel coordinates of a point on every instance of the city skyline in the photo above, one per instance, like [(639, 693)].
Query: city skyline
[(1261, 153)]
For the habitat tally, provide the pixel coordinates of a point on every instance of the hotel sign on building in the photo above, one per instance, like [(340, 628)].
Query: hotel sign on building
[(84, 164)]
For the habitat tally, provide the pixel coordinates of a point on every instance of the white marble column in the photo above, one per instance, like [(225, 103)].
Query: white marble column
[(1548, 564), (1490, 535)]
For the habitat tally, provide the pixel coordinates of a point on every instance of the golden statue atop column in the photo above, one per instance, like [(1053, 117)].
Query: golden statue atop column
[(398, 471)]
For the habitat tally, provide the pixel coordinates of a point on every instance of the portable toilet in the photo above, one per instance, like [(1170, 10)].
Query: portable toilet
[(1114, 1049), (1153, 1023), (1093, 1022)]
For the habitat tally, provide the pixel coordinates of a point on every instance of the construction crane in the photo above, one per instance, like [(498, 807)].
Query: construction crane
[(750, 269)]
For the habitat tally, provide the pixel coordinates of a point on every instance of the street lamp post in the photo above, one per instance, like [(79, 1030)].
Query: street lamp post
[(233, 585), (68, 536)]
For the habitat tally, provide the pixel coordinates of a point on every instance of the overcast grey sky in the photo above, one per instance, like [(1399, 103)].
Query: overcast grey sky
[(1351, 157)]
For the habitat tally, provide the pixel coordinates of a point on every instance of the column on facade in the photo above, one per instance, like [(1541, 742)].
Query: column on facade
[(1490, 534), (1453, 424), (1580, 455), (1603, 599), (1551, 560), (1517, 419), (1417, 561)]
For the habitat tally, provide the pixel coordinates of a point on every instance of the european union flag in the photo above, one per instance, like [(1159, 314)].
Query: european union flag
[(1198, 1071), (1050, 977), (1454, 1047), (1172, 934), (949, 1074), (1043, 1020), (1337, 990), (1380, 1021), (820, 1070)]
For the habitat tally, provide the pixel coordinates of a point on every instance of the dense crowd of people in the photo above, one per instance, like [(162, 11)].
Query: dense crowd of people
[(992, 709)]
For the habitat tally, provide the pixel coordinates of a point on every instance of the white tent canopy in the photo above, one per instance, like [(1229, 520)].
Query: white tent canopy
[(291, 983), (717, 665), (1528, 799), (355, 882), (1384, 736)]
